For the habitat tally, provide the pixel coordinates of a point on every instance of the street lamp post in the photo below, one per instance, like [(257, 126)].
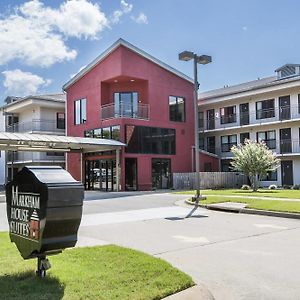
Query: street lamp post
[(203, 60)]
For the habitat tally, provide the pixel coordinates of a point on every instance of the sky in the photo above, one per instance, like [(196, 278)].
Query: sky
[(44, 43)]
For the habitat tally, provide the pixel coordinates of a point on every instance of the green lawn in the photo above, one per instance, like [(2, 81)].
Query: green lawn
[(273, 205), (291, 194), (108, 272)]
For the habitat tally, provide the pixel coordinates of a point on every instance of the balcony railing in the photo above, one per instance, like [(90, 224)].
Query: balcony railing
[(36, 125), (263, 116), (278, 147), (139, 111), (20, 156)]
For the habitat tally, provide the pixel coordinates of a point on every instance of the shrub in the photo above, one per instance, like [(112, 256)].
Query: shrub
[(272, 187), (287, 187), (296, 187), (245, 187)]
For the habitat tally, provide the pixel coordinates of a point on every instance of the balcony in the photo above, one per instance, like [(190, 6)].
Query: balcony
[(259, 117), (37, 126), (123, 110), (281, 148)]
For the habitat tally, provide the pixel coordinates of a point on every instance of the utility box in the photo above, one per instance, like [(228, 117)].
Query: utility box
[(44, 210)]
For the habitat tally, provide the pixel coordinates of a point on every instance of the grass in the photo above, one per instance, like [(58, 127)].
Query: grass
[(273, 205), (290, 194), (108, 272)]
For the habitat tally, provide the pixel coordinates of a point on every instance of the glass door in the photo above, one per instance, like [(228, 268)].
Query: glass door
[(161, 173)]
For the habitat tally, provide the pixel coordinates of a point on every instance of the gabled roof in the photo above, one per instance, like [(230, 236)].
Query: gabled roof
[(118, 43)]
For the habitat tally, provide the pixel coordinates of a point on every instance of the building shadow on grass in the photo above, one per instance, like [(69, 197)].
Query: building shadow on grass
[(27, 285)]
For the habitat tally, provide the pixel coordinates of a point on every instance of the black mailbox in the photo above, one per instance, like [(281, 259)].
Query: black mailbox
[(44, 210)]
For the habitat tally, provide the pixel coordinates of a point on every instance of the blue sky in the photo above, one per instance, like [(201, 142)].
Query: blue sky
[(42, 43)]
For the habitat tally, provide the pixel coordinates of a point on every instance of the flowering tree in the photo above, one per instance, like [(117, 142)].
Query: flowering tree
[(255, 160)]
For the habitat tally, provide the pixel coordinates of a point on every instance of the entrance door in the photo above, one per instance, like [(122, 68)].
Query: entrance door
[(211, 119), (284, 108), (285, 140), (100, 175), (244, 114), (161, 173), (131, 174), (287, 172)]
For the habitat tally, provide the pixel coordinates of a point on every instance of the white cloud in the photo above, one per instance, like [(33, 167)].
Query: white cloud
[(36, 34), (125, 8), (19, 83), (245, 28), (140, 19)]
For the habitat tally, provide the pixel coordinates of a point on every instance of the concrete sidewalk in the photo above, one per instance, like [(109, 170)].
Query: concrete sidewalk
[(197, 292)]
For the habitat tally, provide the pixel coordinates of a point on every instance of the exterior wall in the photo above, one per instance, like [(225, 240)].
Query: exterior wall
[(154, 85)]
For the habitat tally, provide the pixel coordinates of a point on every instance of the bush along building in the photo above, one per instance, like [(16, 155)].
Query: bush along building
[(266, 110), (128, 95)]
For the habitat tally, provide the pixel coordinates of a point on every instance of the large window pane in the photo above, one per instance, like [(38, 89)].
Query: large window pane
[(83, 110), (150, 140), (80, 111), (106, 133)]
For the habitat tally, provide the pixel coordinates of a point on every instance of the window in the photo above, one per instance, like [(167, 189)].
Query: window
[(60, 121), (201, 119), (226, 165), (177, 109), (112, 132), (52, 153), (269, 137), (150, 140), (271, 176), (227, 141), (80, 111), (265, 109), (126, 104), (211, 144), (244, 136), (228, 114)]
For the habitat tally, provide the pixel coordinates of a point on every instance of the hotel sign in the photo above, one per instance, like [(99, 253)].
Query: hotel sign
[(24, 214)]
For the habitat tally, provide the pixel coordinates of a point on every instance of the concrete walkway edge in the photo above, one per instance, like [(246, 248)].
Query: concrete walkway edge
[(248, 211)]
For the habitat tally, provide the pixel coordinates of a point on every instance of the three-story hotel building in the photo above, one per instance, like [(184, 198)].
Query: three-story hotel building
[(266, 110)]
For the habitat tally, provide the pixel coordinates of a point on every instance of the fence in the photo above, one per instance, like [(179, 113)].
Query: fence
[(209, 180)]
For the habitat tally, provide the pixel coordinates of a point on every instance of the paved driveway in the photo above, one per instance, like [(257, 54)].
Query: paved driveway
[(236, 256)]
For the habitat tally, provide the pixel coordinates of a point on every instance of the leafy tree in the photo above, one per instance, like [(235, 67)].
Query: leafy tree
[(255, 160)]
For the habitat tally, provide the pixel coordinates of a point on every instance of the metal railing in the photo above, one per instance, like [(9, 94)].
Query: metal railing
[(278, 147), (139, 111), (36, 125), (257, 117), (20, 156)]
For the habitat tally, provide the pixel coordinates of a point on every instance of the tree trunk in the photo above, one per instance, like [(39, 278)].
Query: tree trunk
[(254, 184)]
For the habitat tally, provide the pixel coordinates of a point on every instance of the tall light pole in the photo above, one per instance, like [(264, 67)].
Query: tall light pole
[(203, 60)]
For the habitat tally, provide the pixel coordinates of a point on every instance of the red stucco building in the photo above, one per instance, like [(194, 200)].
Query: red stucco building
[(127, 94)]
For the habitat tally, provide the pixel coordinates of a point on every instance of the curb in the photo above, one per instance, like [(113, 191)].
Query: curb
[(196, 292), (248, 211)]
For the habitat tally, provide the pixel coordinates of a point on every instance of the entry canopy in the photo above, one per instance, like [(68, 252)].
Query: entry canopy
[(44, 143)]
